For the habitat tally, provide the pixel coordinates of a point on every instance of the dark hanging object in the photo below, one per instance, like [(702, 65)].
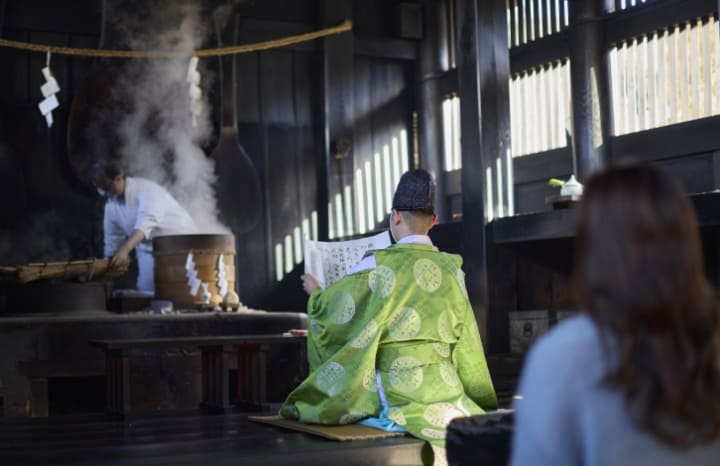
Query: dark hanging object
[(484, 439)]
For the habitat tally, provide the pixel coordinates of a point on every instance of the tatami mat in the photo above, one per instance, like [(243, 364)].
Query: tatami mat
[(341, 433)]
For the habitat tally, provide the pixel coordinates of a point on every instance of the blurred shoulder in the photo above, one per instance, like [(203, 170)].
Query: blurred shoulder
[(572, 342)]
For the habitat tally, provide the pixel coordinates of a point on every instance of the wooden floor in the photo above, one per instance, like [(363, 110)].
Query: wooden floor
[(186, 438)]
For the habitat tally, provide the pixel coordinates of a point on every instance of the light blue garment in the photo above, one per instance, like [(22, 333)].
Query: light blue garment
[(383, 421), (567, 418)]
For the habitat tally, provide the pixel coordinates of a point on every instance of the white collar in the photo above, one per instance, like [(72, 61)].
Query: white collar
[(416, 239)]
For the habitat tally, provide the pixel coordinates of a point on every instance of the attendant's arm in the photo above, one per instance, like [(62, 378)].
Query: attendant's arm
[(121, 256), (149, 215)]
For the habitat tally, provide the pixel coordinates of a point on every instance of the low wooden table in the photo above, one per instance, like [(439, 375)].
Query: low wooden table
[(216, 354)]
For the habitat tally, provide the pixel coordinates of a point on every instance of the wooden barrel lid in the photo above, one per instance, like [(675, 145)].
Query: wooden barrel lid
[(174, 243)]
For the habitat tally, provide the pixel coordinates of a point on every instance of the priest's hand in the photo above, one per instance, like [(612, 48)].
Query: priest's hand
[(310, 283)]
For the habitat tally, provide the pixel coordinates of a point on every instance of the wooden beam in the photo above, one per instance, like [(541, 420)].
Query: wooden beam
[(338, 56), (539, 52), (654, 16), (589, 88), (431, 64), (716, 169), (3, 7), (398, 49), (692, 137), (483, 71), (543, 165)]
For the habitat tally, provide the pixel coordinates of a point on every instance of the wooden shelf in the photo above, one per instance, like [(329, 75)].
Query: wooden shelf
[(560, 224)]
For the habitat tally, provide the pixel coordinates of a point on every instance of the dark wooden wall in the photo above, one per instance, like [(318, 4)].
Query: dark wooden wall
[(48, 213)]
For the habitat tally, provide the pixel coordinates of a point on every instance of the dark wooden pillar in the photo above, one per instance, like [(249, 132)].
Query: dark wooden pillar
[(483, 71), (337, 168), (590, 91), (3, 4), (432, 62)]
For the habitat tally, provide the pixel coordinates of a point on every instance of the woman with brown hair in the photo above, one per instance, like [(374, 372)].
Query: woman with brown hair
[(636, 379)]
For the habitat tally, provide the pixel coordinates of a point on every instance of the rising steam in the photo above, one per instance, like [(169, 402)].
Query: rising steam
[(158, 140)]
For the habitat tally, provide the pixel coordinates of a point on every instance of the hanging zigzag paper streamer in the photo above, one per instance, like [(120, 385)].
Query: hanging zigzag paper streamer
[(193, 79), (191, 274), (49, 89), (222, 282)]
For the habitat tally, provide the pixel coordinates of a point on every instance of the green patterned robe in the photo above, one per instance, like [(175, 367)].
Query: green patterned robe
[(409, 319)]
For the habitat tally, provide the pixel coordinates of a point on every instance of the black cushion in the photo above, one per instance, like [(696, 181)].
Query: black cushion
[(483, 439)]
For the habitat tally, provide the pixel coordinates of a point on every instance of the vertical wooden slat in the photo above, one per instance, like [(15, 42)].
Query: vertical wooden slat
[(715, 35), (652, 72), (631, 97), (631, 88), (694, 51), (623, 107), (540, 19), (525, 15), (547, 108), (548, 16), (516, 23), (553, 100), (562, 87), (539, 109), (529, 117), (557, 14), (521, 115), (513, 115), (616, 90), (673, 72), (532, 17), (508, 17), (542, 108), (532, 119), (642, 82), (716, 68), (683, 59), (661, 62), (707, 62)]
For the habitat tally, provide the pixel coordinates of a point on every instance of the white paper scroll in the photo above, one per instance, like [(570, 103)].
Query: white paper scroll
[(49, 89), (329, 261)]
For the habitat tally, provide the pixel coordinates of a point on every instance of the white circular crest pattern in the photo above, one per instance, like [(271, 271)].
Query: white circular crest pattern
[(369, 381), (405, 324), (381, 281), (449, 374), (427, 275), (440, 414), (365, 336), (443, 326), (434, 434), (331, 379), (406, 374), (462, 408), (443, 349), (342, 308), (397, 415)]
